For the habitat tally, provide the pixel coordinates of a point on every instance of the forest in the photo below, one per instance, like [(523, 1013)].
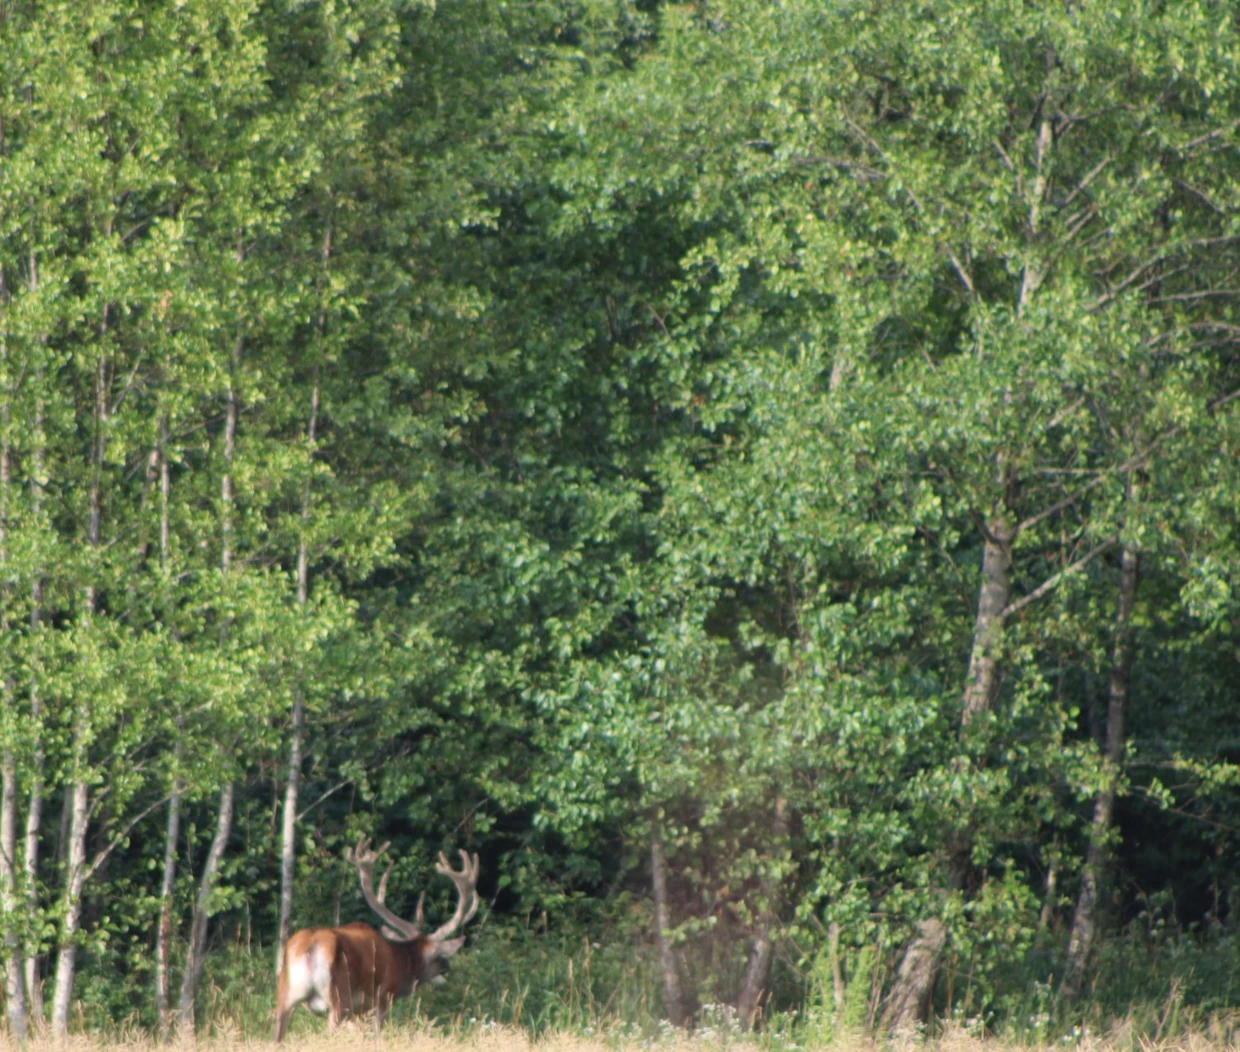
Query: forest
[(762, 474)]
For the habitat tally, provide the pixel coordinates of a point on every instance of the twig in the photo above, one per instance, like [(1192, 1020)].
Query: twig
[(99, 858), (335, 788), (1055, 578)]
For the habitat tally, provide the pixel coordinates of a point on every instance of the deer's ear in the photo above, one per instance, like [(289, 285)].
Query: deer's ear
[(388, 933), (446, 947)]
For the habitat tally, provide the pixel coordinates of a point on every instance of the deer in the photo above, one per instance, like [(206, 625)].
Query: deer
[(353, 968)]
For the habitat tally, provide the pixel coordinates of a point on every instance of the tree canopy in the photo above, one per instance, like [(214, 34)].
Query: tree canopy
[(763, 475)]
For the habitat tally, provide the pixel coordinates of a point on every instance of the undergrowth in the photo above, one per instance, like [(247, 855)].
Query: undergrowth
[(1145, 990)]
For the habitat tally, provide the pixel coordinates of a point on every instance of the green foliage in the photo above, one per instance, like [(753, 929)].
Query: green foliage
[(669, 368)]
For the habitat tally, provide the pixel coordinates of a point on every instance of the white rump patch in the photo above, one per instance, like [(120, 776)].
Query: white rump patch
[(309, 980)]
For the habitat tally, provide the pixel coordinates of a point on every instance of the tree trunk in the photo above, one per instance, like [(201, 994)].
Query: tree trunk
[(1085, 919), (14, 977), (757, 978), (838, 989), (34, 822), (163, 934), (198, 928), (909, 1000), (14, 970), (75, 879), (673, 993), (34, 808), (982, 684), (197, 949), (288, 830), (77, 797), (1047, 913), (230, 449)]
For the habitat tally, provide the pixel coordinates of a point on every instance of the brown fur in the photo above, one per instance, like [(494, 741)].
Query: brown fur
[(367, 970)]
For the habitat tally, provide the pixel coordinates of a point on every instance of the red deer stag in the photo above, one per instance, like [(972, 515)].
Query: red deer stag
[(351, 969)]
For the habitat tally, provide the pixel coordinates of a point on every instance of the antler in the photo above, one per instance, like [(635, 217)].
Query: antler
[(466, 881), (364, 861)]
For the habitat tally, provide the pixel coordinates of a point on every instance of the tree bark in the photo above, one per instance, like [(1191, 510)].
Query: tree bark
[(223, 825), (292, 789), (196, 953), (71, 906), (837, 972), (34, 808), (172, 831), (163, 936), (673, 992), (982, 684), (909, 1000), (230, 449), (14, 967), (1085, 919), (757, 978), (77, 796), (14, 974), (34, 822)]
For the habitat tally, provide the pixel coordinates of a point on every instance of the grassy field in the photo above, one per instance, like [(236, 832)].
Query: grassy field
[(516, 992), (1218, 1033), (362, 1038)]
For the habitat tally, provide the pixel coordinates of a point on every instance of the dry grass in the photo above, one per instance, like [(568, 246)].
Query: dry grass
[(349, 1038), (1217, 1036)]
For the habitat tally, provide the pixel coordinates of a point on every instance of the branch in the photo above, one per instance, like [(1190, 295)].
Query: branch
[(964, 274), (1204, 294), (103, 854), (1217, 133), (1063, 414), (1055, 578), (1007, 161), (1059, 505), (861, 132), (835, 162), (1089, 178), (1132, 462), (333, 789), (1218, 404)]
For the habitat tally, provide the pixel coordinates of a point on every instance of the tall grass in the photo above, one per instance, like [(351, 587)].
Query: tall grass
[(427, 1037), (1147, 991)]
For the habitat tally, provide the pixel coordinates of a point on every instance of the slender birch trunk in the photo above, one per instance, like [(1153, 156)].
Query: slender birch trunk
[(14, 966), (75, 879), (34, 819), (77, 797), (14, 972), (34, 807), (909, 1000), (292, 789), (757, 979), (673, 992), (163, 934), (198, 929), (14, 978), (223, 825), (1093, 875), (982, 683)]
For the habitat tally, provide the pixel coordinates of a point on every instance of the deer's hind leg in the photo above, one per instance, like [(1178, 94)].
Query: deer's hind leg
[(284, 1010)]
